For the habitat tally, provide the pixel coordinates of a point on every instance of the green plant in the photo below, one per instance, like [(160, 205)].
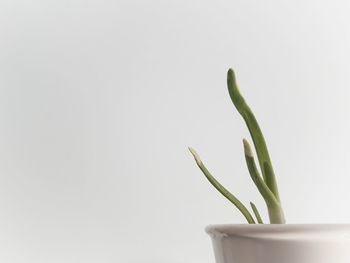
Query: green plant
[(266, 182)]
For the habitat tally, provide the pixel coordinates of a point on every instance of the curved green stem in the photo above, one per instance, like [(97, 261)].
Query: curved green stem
[(254, 129), (254, 174), (276, 214), (256, 213), (222, 189)]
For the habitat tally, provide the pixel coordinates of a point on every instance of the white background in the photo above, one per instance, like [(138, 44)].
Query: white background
[(100, 99)]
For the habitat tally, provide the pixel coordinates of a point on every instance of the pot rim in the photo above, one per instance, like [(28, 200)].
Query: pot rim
[(279, 231)]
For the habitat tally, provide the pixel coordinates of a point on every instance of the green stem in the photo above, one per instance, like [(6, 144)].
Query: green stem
[(256, 213), (276, 214), (254, 129), (222, 189)]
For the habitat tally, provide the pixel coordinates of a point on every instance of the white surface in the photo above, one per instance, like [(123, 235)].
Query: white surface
[(100, 99), (289, 243)]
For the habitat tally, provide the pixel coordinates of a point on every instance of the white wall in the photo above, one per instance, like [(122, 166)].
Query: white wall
[(100, 99)]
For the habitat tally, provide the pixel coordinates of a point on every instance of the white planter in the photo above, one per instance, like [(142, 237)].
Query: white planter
[(281, 243)]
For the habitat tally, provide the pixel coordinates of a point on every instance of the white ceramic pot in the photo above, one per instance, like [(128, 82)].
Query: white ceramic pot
[(281, 243)]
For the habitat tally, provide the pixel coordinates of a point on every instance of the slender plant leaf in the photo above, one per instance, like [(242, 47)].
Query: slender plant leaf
[(222, 189), (266, 193), (276, 214), (256, 213), (254, 129)]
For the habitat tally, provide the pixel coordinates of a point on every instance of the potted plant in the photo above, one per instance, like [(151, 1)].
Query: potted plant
[(276, 242)]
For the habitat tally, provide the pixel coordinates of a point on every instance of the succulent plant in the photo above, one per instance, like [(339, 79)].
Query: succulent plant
[(265, 180)]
